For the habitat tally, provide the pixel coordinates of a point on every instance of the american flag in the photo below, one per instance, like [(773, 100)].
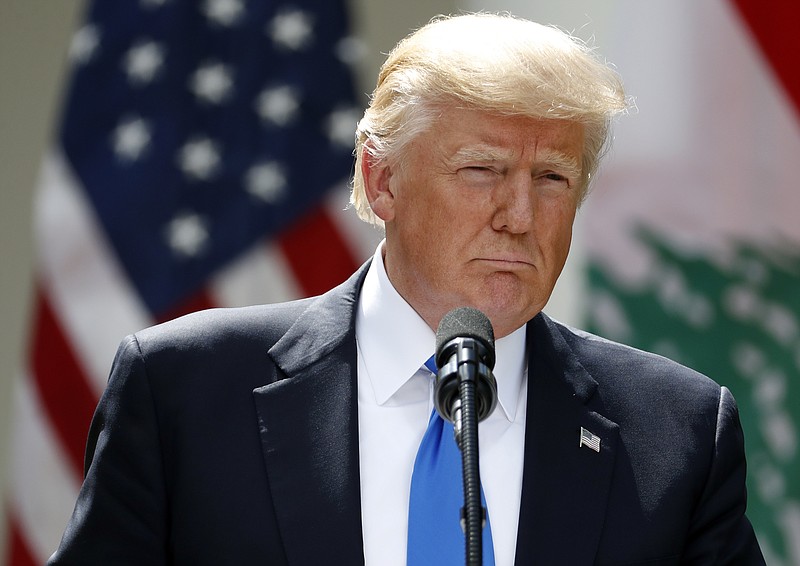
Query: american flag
[(589, 440), (202, 160)]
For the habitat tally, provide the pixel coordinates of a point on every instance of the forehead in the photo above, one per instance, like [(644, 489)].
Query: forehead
[(466, 133)]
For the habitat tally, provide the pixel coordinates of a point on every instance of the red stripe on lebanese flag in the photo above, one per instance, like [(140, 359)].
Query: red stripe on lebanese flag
[(65, 394), (774, 26)]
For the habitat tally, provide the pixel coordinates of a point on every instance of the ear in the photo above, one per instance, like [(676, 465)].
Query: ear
[(377, 174)]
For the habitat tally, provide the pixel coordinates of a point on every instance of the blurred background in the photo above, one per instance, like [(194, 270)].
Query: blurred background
[(160, 156)]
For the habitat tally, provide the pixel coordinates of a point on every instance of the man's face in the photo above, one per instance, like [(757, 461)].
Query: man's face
[(479, 212)]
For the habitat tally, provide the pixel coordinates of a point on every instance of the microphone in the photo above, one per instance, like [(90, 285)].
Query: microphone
[(466, 393), (464, 352)]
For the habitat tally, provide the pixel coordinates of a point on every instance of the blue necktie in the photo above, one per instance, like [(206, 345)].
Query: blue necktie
[(435, 536)]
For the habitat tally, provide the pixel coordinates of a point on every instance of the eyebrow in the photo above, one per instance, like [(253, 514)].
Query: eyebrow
[(479, 153), (566, 164)]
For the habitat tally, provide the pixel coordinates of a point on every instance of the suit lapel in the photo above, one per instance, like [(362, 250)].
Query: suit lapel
[(308, 423), (565, 487)]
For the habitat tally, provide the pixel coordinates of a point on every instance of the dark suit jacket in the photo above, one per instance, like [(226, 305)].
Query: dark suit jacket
[(230, 437)]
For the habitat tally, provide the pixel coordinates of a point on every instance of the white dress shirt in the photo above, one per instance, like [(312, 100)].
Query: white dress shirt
[(395, 400)]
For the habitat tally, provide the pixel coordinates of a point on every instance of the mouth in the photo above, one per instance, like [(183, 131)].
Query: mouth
[(507, 263)]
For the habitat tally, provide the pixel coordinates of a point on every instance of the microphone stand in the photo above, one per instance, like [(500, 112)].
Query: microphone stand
[(466, 431), (466, 392)]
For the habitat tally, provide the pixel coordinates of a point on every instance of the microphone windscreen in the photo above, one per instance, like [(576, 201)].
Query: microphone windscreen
[(464, 322)]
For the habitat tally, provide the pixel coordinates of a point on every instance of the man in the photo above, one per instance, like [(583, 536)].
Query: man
[(287, 434)]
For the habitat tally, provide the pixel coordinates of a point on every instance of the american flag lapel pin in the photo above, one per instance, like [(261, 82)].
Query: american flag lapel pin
[(589, 440)]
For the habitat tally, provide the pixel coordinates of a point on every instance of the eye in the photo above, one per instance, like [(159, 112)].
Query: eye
[(477, 174), (553, 181)]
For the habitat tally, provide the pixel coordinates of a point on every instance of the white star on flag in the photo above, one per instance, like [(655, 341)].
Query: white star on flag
[(199, 159), (187, 234), (212, 82), (223, 12), (267, 181), (143, 62), (84, 44), (351, 50), (131, 138), (291, 29), (279, 105), (341, 125)]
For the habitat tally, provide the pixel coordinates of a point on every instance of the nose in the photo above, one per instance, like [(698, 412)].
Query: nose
[(515, 204)]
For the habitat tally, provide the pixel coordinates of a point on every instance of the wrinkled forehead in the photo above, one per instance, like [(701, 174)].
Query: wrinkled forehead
[(489, 153), (472, 132)]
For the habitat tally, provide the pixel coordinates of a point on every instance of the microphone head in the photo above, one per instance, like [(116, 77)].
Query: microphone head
[(466, 322), (466, 336)]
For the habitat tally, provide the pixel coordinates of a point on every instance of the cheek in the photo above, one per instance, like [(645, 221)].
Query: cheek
[(439, 224), (561, 254), (554, 240), (565, 236), (560, 218)]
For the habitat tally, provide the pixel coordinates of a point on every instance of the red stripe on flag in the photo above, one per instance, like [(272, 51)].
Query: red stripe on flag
[(18, 553), (317, 253), (774, 25), (63, 388), (199, 301)]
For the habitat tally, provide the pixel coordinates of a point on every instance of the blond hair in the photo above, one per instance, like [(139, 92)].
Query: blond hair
[(497, 63)]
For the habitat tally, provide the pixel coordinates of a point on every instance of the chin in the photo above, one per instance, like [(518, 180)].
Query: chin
[(507, 316)]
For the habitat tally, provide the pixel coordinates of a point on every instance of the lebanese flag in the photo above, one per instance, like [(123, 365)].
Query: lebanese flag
[(693, 232)]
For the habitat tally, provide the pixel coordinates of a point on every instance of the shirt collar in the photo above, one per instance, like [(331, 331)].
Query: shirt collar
[(394, 342)]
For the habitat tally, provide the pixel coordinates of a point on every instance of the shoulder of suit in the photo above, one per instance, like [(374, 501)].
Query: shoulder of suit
[(259, 323), (244, 329), (616, 364)]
